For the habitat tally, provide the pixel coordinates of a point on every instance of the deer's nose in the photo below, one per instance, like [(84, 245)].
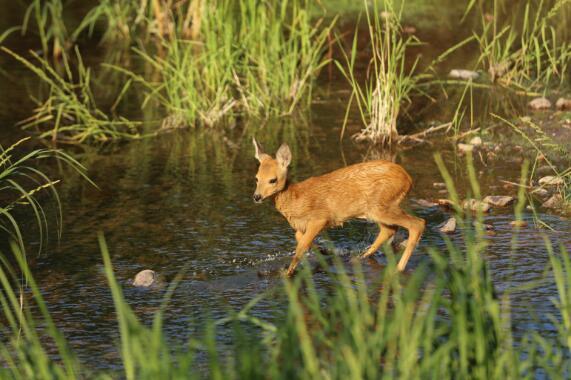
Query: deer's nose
[(257, 198)]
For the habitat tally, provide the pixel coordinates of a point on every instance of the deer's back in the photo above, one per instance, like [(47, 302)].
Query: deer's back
[(350, 192)]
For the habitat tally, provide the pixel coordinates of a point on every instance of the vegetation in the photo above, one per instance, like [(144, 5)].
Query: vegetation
[(50, 26), (69, 112), (261, 63), (389, 79), (445, 319), (527, 50), (211, 64), (21, 185)]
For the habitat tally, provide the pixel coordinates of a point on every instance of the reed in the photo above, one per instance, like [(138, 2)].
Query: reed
[(69, 112), (526, 50), (50, 26), (21, 187), (252, 58), (390, 77)]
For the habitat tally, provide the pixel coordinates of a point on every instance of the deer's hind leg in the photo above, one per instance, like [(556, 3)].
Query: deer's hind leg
[(385, 233), (395, 216)]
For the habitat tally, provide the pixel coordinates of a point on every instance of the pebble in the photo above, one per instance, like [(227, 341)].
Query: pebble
[(540, 192), (424, 203), (539, 104), (145, 278), (563, 104), (499, 200), (439, 185), (445, 202), (556, 201), (551, 180), (476, 205), (463, 74), (476, 141), (449, 226)]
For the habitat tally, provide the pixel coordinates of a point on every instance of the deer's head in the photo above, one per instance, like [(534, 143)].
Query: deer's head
[(272, 173)]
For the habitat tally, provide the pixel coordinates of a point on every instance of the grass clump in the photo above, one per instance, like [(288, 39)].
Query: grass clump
[(389, 78), (21, 185), (49, 22), (528, 50), (252, 58), (69, 112)]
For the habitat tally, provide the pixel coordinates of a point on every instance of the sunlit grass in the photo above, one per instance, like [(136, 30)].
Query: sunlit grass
[(526, 50), (252, 58), (390, 78)]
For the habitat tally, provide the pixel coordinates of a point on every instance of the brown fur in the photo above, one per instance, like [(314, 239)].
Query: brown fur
[(371, 190)]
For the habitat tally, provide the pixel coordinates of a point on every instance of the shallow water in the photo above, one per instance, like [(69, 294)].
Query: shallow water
[(184, 201)]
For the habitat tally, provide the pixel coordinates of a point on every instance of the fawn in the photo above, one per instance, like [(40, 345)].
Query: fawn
[(370, 190)]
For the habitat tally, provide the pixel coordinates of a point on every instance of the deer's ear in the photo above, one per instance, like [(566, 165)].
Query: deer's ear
[(283, 156), (258, 148)]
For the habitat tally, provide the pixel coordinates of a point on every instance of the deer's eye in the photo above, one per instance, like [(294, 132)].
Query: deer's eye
[(256, 179), (273, 180)]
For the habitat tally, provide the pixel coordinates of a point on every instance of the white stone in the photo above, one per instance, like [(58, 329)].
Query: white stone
[(145, 278), (539, 104)]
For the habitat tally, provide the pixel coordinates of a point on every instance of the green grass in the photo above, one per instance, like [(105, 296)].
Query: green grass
[(50, 26), (527, 49), (444, 320), (68, 112), (21, 187), (252, 58), (390, 78)]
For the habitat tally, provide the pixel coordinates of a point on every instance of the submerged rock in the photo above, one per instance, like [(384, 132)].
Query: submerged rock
[(449, 226), (541, 192), (424, 203), (463, 74), (499, 200), (476, 205), (551, 180), (539, 104), (145, 278), (555, 202), (563, 104)]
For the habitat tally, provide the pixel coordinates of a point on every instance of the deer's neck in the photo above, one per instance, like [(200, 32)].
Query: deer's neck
[(282, 197)]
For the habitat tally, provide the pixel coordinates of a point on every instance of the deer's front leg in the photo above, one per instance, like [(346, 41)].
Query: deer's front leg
[(304, 241)]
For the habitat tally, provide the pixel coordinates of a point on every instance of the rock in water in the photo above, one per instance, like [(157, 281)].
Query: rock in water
[(476, 205), (539, 104), (145, 278), (449, 226), (555, 202), (424, 203), (563, 104), (499, 200), (463, 74), (551, 180)]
